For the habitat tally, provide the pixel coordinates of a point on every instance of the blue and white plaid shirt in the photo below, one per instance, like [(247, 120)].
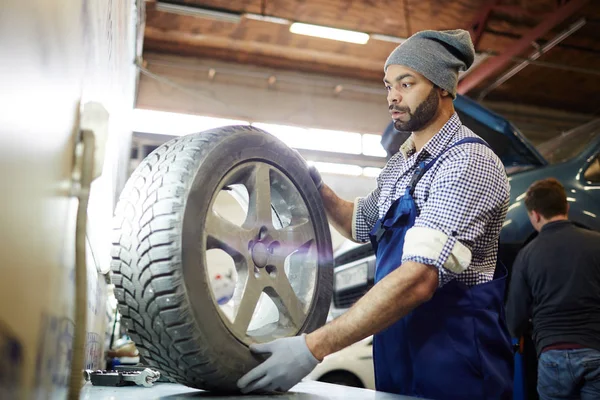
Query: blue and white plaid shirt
[(462, 202)]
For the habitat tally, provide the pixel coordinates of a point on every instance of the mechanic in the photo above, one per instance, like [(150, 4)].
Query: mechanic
[(434, 219), (556, 280)]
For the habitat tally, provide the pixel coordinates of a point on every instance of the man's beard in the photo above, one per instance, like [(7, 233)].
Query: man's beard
[(422, 115)]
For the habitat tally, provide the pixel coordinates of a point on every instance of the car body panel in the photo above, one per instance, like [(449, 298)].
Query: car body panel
[(583, 196), (516, 150), (356, 360)]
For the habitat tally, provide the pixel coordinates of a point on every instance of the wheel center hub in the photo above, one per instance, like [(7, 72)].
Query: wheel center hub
[(260, 254)]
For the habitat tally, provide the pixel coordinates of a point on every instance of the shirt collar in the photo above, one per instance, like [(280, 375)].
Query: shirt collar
[(555, 225), (437, 143)]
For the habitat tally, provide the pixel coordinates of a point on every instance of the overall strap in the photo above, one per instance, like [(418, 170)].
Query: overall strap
[(423, 168)]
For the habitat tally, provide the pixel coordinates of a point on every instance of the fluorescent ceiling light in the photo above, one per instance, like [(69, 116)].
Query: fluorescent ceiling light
[(329, 33), (175, 124), (198, 12)]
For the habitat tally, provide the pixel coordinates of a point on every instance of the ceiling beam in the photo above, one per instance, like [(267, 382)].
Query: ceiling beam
[(495, 64), (159, 39), (517, 11), (532, 57), (478, 25)]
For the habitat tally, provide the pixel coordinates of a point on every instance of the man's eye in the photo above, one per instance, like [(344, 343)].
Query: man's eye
[(388, 87), (406, 85)]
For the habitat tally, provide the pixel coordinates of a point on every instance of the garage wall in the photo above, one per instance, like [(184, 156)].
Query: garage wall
[(56, 55), (244, 92)]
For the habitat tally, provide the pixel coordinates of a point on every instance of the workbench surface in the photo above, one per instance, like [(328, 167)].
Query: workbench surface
[(307, 390)]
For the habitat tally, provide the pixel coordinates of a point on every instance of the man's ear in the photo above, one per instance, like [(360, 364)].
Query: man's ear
[(444, 92), (532, 216)]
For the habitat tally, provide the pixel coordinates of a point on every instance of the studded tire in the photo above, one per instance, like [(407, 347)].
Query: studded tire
[(161, 284)]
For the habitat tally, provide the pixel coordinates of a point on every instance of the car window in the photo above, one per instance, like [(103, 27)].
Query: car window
[(570, 144), (592, 174)]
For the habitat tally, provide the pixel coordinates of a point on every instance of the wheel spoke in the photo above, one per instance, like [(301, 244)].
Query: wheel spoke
[(246, 303), (280, 263), (284, 297), (227, 236), (259, 190), (293, 238)]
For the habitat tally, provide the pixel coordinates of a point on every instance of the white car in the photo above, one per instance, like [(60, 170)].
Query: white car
[(352, 366)]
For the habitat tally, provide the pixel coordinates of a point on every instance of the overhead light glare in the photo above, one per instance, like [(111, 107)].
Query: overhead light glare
[(315, 139), (387, 38), (198, 12), (267, 18), (334, 168), (175, 124), (324, 32), (371, 145), (371, 172)]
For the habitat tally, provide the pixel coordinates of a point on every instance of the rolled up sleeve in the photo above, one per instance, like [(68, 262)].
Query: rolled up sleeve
[(467, 191)]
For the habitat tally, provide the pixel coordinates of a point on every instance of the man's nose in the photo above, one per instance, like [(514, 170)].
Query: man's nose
[(393, 97)]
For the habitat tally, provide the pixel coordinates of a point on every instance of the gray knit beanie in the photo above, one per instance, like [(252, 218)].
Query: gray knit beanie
[(437, 55)]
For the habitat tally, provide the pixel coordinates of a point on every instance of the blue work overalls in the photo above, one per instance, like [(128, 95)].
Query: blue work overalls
[(456, 345)]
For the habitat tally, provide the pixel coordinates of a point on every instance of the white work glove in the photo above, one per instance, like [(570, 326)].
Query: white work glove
[(313, 172), (290, 361), (316, 177)]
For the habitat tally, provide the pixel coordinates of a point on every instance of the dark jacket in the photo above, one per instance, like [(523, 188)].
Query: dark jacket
[(556, 281)]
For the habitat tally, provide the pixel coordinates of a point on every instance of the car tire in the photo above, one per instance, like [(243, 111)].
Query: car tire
[(158, 256)]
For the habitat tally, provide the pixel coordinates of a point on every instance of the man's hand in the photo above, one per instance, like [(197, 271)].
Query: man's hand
[(339, 211), (290, 361)]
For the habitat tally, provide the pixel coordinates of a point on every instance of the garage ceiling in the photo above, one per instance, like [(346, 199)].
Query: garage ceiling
[(566, 77)]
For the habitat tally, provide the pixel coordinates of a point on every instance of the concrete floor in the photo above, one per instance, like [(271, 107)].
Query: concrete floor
[(309, 390)]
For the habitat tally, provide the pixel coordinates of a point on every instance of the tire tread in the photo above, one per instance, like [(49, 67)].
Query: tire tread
[(145, 265)]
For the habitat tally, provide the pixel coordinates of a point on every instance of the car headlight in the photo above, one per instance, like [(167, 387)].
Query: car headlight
[(351, 276)]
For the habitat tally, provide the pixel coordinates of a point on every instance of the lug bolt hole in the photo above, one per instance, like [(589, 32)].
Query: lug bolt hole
[(273, 246), (272, 271), (262, 233)]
